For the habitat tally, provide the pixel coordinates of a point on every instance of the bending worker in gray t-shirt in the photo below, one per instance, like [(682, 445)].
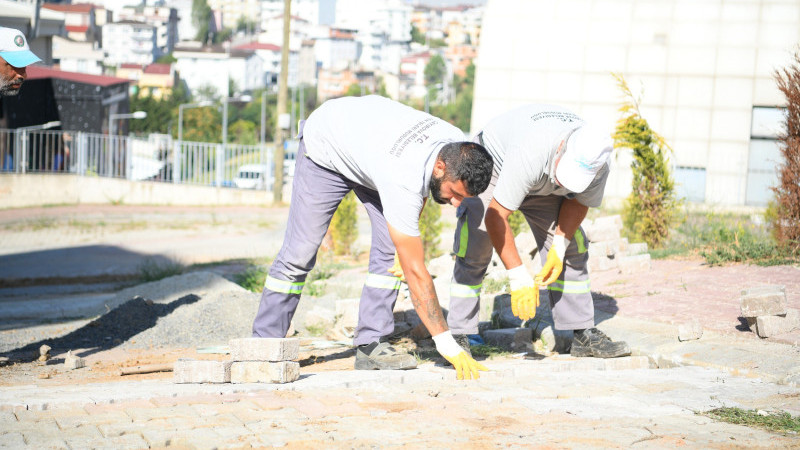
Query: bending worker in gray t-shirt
[(550, 165), (391, 156)]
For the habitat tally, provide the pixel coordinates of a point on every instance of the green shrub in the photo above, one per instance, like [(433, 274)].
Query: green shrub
[(430, 229), (651, 209), (777, 421), (152, 270), (252, 279), (344, 225), (518, 223)]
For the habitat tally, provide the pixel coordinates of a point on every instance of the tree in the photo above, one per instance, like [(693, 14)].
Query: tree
[(430, 229), (201, 125), (201, 15), (651, 209), (786, 225), (417, 36), (344, 225), (242, 132), (435, 70)]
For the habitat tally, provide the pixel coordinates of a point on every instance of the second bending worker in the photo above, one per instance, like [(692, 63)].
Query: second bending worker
[(391, 156)]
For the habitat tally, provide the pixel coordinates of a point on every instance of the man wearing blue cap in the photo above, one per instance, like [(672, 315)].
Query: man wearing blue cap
[(15, 56)]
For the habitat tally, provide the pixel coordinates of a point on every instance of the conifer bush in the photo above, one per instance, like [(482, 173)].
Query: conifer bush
[(430, 229), (652, 208), (344, 226), (786, 214)]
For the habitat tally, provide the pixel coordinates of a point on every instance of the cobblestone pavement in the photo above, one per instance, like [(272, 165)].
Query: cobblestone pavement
[(554, 402)]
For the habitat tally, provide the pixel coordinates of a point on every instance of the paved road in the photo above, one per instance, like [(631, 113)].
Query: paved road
[(556, 401)]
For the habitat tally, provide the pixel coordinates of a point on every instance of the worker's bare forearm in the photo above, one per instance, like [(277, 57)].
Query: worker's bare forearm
[(426, 303), (570, 216)]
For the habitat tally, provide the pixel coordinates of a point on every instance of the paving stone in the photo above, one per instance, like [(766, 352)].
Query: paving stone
[(602, 232), (319, 317), (145, 414), (514, 339), (690, 331), (347, 312), (72, 362), (128, 441), (601, 263), (49, 440), (634, 264), (264, 349), (768, 326), (264, 372), (768, 300), (114, 429), (198, 371), (13, 439), (637, 248)]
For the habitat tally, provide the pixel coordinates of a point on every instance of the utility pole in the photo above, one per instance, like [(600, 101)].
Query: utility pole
[(277, 189)]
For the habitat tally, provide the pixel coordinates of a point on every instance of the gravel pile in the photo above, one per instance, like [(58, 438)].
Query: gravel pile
[(193, 310)]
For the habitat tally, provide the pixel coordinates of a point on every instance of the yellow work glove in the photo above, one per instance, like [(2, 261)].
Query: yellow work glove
[(555, 262), (466, 367), (524, 293), (397, 270)]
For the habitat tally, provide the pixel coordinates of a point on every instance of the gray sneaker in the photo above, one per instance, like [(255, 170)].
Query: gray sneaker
[(593, 342), (382, 356)]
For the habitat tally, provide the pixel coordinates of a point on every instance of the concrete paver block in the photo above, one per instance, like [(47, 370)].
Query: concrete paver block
[(601, 263), (768, 300), (264, 349), (768, 326), (514, 339), (318, 317), (72, 362), (634, 264), (347, 312), (637, 248), (198, 371), (264, 372), (690, 331)]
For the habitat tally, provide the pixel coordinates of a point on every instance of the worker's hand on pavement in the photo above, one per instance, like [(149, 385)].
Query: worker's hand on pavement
[(397, 270), (524, 293), (466, 367), (555, 261)]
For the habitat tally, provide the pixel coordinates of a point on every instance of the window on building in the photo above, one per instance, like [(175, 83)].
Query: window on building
[(690, 183), (764, 155)]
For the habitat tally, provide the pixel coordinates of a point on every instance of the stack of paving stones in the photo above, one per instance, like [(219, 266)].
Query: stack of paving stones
[(764, 308), (609, 251), (253, 360)]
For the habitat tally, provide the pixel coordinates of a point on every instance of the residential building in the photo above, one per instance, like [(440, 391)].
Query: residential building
[(460, 57), (235, 10), (156, 80), (334, 82), (164, 19), (706, 69), (381, 28), (79, 20), (336, 48), (130, 41), (272, 31), (412, 75), (270, 55), (309, 10), (74, 56), (307, 63), (209, 68)]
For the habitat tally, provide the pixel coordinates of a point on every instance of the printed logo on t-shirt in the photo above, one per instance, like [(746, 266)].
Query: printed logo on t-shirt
[(558, 115), (413, 134)]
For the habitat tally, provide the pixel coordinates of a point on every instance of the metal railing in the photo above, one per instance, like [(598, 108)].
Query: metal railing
[(156, 158)]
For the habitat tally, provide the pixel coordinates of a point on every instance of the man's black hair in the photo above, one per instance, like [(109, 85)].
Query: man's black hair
[(468, 162)]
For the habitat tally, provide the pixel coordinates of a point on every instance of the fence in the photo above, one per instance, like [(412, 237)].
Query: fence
[(157, 158)]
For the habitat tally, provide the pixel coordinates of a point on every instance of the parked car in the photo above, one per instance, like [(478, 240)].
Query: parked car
[(253, 176)]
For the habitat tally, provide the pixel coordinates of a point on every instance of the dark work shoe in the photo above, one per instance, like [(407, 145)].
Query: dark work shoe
[(593, 342), (463, 341), (382, 356)]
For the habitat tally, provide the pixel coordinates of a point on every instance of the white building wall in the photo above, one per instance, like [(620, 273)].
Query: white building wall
[(129, 43), (703, 65)]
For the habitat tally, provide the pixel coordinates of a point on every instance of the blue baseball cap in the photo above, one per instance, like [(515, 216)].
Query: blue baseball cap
[(14, 48)]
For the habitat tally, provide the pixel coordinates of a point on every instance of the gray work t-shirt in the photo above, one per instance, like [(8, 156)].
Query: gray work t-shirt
[(523, 143), (383, 145)]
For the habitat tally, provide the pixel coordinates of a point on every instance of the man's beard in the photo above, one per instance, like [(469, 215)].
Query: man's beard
[(435, 185), (8, 88)]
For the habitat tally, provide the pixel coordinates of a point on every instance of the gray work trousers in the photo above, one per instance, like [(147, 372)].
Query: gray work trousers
[(316, 193), (570, 296)]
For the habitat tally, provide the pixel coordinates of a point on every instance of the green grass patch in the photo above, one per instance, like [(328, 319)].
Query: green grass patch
[(492, 286), (780, 422), (253, 278), (489, 351), (152, 270)]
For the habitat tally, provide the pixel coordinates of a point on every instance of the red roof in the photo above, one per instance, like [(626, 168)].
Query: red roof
[(76, 8), (41, 72), (258, 46), (158, 69), (130, 66), (76, 28)]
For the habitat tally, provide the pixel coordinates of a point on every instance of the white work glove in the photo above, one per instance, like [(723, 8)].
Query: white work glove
[(466, 367)]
